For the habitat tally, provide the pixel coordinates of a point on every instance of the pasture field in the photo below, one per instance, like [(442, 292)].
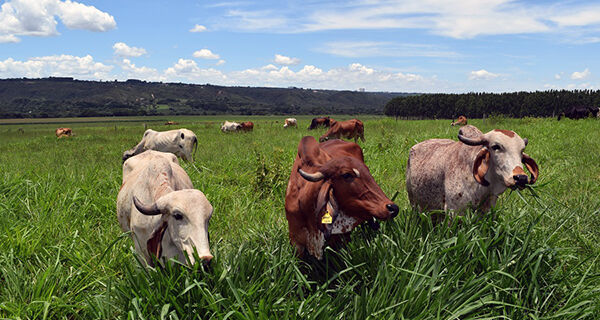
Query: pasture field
[(63, 256)]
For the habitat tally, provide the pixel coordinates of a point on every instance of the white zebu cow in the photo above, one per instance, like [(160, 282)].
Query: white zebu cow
[(230, 126), (443, 174), (166, 216), (181, 142), (290, 122)]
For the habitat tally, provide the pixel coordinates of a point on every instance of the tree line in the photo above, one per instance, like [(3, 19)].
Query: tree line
[(477, 105)]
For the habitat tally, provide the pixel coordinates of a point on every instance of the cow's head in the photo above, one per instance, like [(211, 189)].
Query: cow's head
[(348, 186), (500, 160), (185, 215), (186, 144)]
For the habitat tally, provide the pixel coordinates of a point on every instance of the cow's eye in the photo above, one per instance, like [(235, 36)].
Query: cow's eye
[(496, 147), (178, 216), (348, 177)]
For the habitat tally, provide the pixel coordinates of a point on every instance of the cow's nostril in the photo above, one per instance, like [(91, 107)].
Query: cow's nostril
[(393, 209), (520, 179)]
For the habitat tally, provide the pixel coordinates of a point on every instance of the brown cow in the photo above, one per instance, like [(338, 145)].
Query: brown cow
[(318, 122), (170, 123), (330, 192), (461, 121), (247, 126), (63, 132), (345, 129)]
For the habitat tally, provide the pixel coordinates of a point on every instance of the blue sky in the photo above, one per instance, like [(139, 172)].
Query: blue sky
[(401, 46)]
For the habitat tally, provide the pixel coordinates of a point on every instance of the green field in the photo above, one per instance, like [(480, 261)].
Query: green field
[(63, 256)]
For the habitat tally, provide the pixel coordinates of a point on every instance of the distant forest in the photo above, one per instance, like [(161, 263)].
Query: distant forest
[(65, 97), (475, 105)]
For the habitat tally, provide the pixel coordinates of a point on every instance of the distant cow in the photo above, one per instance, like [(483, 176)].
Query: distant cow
[(461, 121), (290, 122), (230, 126), (320, 122), (167, 217), (181, 142), (63, 132), (330, 192), (247, 126), (580, 113), (170, 123), (443, 174), (348, 129)]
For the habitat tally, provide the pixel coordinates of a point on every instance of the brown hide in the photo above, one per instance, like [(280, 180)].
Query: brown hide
[(350, 129), (247, 126)]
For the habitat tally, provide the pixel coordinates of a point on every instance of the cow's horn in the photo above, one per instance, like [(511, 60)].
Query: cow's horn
[(313, 177), (151, 210), (471, 141)]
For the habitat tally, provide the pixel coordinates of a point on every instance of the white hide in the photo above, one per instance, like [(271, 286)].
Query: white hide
[(290, 122), (230, 126), (156, 178), (181, 142)]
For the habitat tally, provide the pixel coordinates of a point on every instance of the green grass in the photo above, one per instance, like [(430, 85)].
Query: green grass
[(63, 256)]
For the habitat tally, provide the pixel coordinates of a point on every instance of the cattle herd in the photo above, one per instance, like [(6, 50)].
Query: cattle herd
[(330, 189)]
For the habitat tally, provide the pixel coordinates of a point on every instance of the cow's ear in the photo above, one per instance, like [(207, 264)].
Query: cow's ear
[(481, 166), (309, 151), (154, 243), (532, 167)]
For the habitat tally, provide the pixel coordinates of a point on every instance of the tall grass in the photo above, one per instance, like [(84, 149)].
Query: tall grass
[(62, 254)]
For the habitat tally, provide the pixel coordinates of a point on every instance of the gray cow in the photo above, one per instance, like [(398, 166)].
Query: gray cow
[(450, 175), (157, 202), (181, 142)]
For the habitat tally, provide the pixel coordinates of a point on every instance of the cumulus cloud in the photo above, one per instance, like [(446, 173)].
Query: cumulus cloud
[(220, 62), (581, 75), (38, 18), (557, 76), (135, 72), (355, 49), (9, 38), (58, 65), (205, 54), (482, 75), (285, 61), (123, 50), (186, 69), (198, 28)]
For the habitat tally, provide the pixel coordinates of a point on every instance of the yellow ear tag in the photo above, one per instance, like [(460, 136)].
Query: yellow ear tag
[(327, 219)]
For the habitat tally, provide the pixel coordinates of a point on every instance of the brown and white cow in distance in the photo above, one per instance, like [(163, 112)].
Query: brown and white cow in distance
[(461, 121), (247, 126), (180, 142), (290, 122), (157, 202), (349, 129), (330, 192), (450, 175), (63, 132)]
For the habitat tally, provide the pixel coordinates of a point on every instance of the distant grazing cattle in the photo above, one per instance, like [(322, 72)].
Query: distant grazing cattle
[(461, 121), (181, 142), (247, 126), (230, 126), (167, 217), (63, 132), (349, 129), (320, 122), (580, 113), (330, 192), (449, 175), (170, 123), (290, 122), (21, 131)]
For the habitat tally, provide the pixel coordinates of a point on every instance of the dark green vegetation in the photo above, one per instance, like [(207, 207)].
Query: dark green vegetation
[(476, 105), (62, 255), (65, 97)]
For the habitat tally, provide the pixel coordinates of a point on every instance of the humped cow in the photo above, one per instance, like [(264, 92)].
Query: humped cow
[(577, 113), (181, 142), (461, 121), (448, 175), (290, 122), (63, 132), (320, 122), (348, 129), (247, 126), (230, 126), (167, 217), (330, 192)]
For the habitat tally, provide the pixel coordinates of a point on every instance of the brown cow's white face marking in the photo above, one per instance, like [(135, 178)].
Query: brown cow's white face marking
[(506, 154)]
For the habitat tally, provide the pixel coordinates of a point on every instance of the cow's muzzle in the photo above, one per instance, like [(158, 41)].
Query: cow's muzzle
[(392, 209), (521, 180)]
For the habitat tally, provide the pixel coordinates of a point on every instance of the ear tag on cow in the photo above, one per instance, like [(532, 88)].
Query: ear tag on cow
[(327, 218)]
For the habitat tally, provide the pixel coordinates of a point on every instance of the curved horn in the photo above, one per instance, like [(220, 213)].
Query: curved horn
[(471, 141), (526, 141), (151, 210), (312, 177)]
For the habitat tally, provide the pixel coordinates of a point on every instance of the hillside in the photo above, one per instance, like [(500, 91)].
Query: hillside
[(66, 97)]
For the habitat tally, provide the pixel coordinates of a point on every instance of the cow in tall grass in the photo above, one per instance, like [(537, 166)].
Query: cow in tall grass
[(181, 142), (349, 129), (577, 113), (167, 217), (320, 122), (290, 122), (461, 121), (330, 192), (63, 132), (448, 175)]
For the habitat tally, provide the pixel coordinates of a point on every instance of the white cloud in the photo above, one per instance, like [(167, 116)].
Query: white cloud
[(205, 54), (577, 16), (146, 73), (37, 18), (220, 62), (58, 65), (9, 38), (557, 76), (188, 70), (123, 50), (286, 61), (581, 75), (356, 49), (198, 28), (482, 75)]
